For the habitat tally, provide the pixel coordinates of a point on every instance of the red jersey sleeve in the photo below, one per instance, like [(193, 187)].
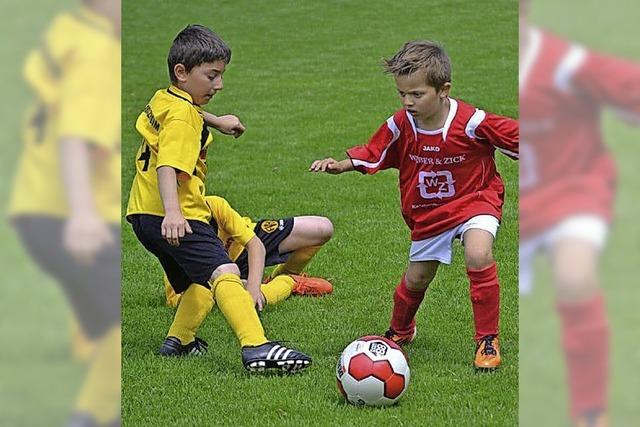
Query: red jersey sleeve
[(501, 132), (610, 81), (380, 152)]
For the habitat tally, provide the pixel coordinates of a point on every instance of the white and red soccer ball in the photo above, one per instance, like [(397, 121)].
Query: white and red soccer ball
[(372, 371)]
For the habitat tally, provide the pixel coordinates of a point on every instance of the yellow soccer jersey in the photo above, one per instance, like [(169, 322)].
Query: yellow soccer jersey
[(234, 230), (75, 75), (173, 134)]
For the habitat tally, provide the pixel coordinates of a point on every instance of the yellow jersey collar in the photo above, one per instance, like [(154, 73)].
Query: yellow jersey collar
[(175, 91)]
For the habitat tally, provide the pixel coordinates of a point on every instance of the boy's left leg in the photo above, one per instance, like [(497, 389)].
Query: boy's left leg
[(172, 298), (306, 238), (291, 244), (485, 295)]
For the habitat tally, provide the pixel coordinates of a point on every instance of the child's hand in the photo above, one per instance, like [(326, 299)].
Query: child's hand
[(328, 165), (174, 227), (229, 125), (85, 235), (258, 297)]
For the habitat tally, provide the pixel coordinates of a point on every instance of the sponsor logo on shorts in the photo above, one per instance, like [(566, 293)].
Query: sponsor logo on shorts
[(269, 226)]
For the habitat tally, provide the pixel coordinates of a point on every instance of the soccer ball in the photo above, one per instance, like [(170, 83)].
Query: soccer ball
[(372, 371)]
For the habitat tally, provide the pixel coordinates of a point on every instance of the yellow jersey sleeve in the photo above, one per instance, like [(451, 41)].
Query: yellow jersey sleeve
[(178, 146), (89, 104), (229, 221)]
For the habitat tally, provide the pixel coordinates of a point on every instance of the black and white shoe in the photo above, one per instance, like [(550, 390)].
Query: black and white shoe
[(272, 356), (173, 347)]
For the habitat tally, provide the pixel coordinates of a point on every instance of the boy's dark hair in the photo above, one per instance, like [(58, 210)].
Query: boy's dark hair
[(421, 55), (196, 45)]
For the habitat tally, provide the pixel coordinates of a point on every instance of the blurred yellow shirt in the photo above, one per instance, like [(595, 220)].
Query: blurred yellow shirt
[(75, 76), (234, 230), (173, 134)]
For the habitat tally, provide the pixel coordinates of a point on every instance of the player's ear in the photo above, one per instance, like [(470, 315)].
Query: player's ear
[(181, 72), (444, 91)]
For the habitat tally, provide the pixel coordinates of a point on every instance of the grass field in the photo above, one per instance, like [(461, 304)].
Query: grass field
[(307, 82), (543, 394)]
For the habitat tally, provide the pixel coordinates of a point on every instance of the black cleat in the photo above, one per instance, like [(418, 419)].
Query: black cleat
[(272, 356), (173, 347)]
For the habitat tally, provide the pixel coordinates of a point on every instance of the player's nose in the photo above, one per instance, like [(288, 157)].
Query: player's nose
[(217, 84)]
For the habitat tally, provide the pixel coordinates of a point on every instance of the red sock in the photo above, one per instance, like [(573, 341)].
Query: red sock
[(405, 306), (585, 338), (485, 298)]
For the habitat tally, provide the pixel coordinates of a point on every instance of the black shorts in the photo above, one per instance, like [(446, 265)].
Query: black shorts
[(93, 290), (272, 232), (198, 255)]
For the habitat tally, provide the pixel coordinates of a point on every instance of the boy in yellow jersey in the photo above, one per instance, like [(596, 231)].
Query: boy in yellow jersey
[(288, 243), (170, 216), (65, 203)]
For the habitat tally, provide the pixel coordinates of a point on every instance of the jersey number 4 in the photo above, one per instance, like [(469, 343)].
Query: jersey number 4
[(145, 156)]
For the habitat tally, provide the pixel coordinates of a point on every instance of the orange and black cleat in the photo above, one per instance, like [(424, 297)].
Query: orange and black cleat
[(310, 286), (401, 339), (595, 418), (487, 353)]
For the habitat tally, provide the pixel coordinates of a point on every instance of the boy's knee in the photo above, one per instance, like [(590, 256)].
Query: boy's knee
[(325, 229), (478, 258), (575, 283), (225, 269), (418, 280)]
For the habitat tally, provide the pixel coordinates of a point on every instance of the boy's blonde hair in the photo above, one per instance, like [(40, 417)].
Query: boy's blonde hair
[(421, 55)]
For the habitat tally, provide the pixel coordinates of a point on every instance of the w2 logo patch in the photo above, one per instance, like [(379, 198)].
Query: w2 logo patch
[(436, 185)]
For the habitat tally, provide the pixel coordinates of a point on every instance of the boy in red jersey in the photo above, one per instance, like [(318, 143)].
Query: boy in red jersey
[(449, 186)]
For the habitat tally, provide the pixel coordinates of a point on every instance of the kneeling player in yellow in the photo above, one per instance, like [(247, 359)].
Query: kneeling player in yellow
[(287, 243)]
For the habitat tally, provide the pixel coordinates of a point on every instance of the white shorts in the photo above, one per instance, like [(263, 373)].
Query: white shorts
[(590, 228), (440, 247)]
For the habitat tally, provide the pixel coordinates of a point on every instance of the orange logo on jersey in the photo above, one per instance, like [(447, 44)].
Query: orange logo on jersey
[(269, 226)]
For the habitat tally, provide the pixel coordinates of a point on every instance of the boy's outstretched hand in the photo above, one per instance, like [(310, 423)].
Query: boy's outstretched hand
[(227, 124), (331, 166)]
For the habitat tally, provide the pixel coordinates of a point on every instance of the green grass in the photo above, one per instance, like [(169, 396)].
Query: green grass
[(307, 82), (543, 391)]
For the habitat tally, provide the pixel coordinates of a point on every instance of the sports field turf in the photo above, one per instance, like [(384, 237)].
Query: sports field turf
[(307, 82)]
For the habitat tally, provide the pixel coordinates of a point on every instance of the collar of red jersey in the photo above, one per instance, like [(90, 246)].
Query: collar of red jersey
[(453, 109)]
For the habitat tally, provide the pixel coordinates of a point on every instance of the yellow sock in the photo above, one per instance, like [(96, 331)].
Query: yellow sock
[(237, 307), (100, 393), (296, 262), (82, 347), (172, 298), (278, 289), (195, 304)]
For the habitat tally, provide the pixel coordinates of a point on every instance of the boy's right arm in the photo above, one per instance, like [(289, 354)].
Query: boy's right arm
[(174, 225), (227, 124), (332, 166)]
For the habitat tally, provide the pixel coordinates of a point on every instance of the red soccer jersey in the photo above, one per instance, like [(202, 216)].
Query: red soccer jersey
[(446, 176), (565, 167)]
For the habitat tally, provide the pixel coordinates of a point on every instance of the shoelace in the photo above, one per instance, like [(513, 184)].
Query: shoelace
[(489, 349)]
